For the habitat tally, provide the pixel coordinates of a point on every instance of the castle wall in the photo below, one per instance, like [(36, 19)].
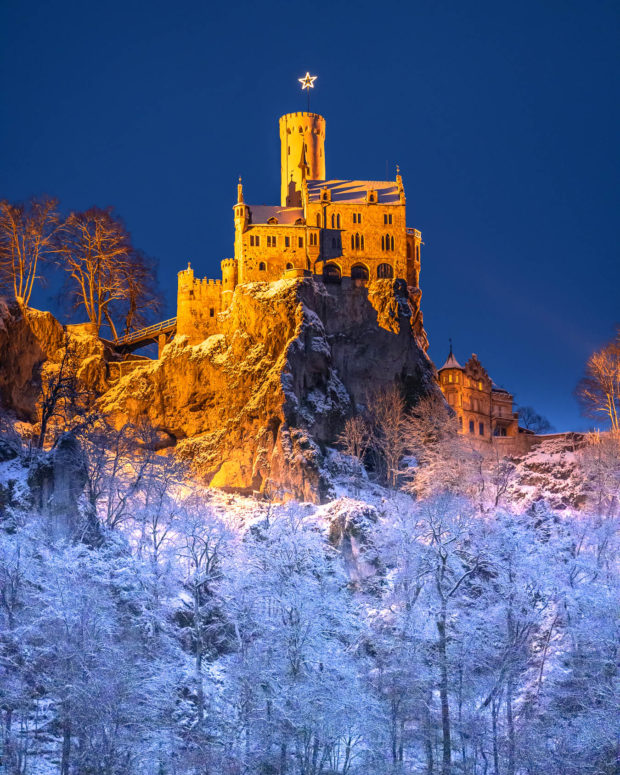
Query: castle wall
[(199, 301)]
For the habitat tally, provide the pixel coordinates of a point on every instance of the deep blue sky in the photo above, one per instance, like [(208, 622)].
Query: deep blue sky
[(502, 116)]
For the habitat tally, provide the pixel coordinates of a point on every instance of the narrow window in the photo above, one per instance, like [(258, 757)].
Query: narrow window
[(318, 219), (362, 242), (211, 312), (338, 221), (300, 242), (471, 426), (382, 242), (287, 242), (257, 240), (333, 221), (449, 377), (481, 429), (392, 243), (251, 240)]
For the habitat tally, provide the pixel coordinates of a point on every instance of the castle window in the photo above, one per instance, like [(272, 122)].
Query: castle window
[(300, 241), (481, 428), (318, 219), (255, 240), (211, 312), (460, 422), (362, 242), (385, 272), (287, 242), (387, 218), (331, 273), (471, 426), (359, 273), (272, 221), (271, 242), (313, 238), (449, 377), (262, 267), (289, 265), (391, 243), (357, 217), (337, 220), (480, 386)]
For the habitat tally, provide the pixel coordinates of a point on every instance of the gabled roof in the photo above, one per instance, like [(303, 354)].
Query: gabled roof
[(451, 363), (354, 191)]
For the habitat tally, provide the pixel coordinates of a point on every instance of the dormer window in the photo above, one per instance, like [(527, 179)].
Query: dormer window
[(300, 222), (371, 196), (326, 195), (272, 221)]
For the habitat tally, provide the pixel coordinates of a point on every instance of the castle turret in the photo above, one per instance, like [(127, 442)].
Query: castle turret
[(229, 280), (242, 219), (302, 142)]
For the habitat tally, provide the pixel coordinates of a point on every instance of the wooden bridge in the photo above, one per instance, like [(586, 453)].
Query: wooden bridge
[(158, 333)]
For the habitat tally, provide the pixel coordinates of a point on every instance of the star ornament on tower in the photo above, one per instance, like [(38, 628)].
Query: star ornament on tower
[(307, 82)]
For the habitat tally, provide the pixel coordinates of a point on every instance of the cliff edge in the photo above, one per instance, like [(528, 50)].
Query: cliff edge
[(253, 406)]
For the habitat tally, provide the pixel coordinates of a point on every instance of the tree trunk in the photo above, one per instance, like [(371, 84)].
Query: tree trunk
[(511, 729), (446, 763)]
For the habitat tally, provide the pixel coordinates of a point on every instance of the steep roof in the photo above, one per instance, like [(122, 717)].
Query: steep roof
[(451, 363), (354, 191)]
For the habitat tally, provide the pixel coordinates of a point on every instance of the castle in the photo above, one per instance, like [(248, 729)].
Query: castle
[(483, 409), (340, 231)]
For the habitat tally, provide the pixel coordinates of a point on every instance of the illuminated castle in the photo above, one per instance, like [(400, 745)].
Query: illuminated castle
[(347, 232)]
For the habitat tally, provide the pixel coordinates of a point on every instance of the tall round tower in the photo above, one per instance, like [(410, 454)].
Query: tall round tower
[(302, 143)]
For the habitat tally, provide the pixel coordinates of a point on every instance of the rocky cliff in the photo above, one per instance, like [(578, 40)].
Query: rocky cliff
[(253, 406)]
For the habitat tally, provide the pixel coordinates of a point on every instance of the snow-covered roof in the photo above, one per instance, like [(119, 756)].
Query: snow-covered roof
[(354, 191), (284, 215), (451, 363)]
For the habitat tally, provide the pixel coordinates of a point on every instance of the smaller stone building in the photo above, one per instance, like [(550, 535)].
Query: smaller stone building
[(483, 409)]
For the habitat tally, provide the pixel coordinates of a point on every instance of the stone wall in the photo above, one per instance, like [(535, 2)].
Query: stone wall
[(199, 301)]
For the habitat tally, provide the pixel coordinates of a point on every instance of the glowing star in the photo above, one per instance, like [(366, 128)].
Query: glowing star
[(307, 82)]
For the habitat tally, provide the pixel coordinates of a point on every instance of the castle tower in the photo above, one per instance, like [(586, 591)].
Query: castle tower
[(302, 144)]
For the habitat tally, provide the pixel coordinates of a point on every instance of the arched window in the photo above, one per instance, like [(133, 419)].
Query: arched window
[(262, 267), (359, 274), (391, 243), (331, 273), (382, 243), (289, 265), (333, 221), (362, 242), (318, 219), (357, 241), (272, 221), (337, 220), (385, 272), (352, 242)]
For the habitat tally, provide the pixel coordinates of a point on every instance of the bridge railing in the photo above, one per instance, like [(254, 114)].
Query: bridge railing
[(148, 332)]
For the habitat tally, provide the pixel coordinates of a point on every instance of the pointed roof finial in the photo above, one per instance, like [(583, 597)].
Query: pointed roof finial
[(451, 361), (239, 191)]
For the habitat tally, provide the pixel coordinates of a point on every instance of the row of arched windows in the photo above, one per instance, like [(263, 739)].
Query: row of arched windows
[(333, 273)]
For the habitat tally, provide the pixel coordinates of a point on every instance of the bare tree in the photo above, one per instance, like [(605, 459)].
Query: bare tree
[(27, 234), (107, 276), (389, 422), (530, 419), (355, 437), (599, 390)]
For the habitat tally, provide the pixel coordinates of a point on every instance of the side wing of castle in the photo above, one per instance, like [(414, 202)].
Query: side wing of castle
[(341, 231)]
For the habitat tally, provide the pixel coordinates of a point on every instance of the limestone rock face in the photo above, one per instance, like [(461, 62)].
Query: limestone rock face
[(27, 340), (32, 344), (253, 406)]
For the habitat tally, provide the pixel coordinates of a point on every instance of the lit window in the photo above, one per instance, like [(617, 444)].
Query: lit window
[(449, 377), (480, 386)]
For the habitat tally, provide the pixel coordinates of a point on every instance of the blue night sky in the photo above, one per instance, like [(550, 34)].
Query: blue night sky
[(502, 116)]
